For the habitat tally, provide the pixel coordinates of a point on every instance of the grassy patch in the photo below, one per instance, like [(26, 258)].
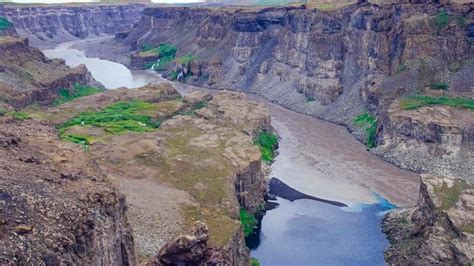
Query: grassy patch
[(418, 101), (2, 112), (369, 123), (468, 228), (77, 91), (254, 262), (4, 24), (449, 195), (116, 118), (325, 6), (166, 52), (268, 142), (18, 115), (185, 60), (249, 222), (439, 86), (441, 20)]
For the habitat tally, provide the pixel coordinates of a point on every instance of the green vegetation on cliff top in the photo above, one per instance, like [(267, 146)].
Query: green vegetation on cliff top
[(369, 123), (116, 118), (418, 101), (77, 91), (4, 24), (249, 222), (268, 143), (449, 195)]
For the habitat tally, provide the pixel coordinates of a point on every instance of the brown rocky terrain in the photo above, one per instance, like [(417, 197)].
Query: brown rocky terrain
[(199, 165), (27, 76), (56, 206), (439, 230)]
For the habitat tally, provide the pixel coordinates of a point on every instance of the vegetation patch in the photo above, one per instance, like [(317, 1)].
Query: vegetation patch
[(418, 101), (18, 115), (166, 52), (116, 118), (449, 195), (268, 143), (4, 24), (78, 91), (369, 123), (185, 60), (441, 20), (249, 222), (254, 262), (439, 86)]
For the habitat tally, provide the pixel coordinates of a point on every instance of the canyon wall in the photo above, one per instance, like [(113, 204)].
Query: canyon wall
[(337, 64), (47, 26)]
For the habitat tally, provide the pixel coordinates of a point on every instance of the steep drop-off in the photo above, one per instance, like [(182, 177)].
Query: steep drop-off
[(47, 26), (334, 64)]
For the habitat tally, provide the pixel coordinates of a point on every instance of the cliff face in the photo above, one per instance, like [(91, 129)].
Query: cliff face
[(439, 230), (46, 26), (337, 64), (27, 76), (289, 54), (199, 165), (56, 207)]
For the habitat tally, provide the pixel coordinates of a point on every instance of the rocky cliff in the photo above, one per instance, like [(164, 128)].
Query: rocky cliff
[(46, 26), (336, 64), (27, 76), (185, 160), (56, 207), (439, 230)]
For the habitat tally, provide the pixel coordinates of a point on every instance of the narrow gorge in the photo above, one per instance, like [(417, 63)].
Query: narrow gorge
[(145, 134)]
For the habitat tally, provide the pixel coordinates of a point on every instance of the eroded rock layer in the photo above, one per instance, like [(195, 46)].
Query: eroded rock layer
[(439, 230)]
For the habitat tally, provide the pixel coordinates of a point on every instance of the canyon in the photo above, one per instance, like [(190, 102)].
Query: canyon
[(369, 62)]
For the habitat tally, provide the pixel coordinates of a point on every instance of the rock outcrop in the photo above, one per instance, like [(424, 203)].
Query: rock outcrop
[(56, 207), (46, 26), (439, 230), (199, 165), (27, 76)]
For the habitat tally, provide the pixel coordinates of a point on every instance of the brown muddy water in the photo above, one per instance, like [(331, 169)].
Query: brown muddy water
[(315, 157)]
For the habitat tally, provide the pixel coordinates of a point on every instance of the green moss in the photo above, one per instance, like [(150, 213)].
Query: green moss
[(166, 52), (418, 101), (369, 123), (268, 142), (77, 91), (254, 262), (185, 60), (441, 20), (4, 24), (449, 195), (18, 115), (2, 112), (439, 86), (468, 228), (117, 118), (249, 222)]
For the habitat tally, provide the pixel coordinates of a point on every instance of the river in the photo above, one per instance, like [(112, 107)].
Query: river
[(315, 157)]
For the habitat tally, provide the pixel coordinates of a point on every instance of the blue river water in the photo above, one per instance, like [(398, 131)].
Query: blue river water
[(308, 232)]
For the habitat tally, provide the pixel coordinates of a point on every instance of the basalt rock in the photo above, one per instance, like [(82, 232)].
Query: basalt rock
[(439, 230), (48, 220), (48, 25)]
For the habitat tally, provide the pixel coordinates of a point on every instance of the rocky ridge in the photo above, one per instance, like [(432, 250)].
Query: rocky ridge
[(439, 230)]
